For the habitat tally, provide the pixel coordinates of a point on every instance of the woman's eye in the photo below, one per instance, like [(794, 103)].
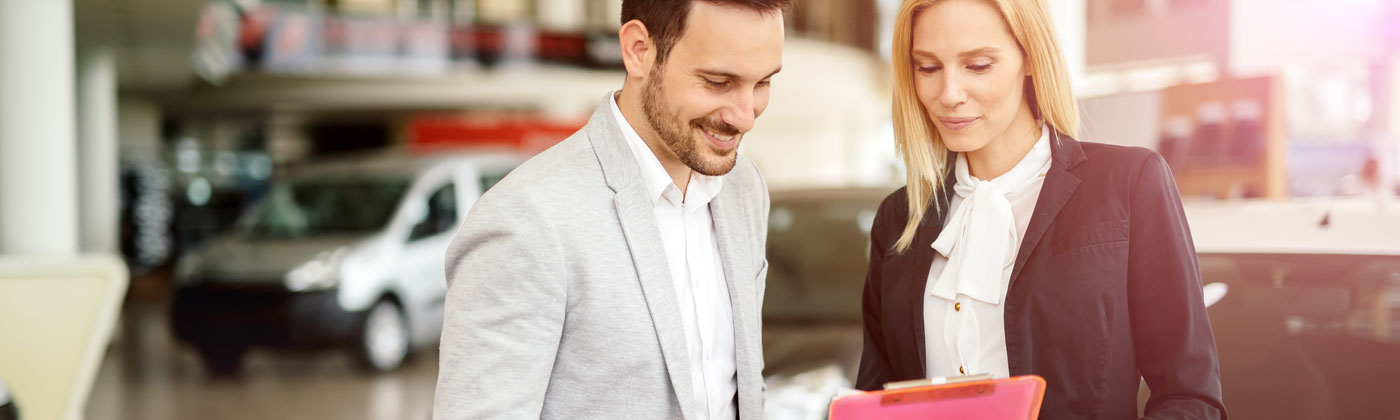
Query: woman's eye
[(980, 68), (927, 69), (716, 85)]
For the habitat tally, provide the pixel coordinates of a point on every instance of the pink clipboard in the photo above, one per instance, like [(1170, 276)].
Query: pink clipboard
[(1015, 398)]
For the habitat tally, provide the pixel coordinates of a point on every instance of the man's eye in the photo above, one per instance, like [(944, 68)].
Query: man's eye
[(716, 85)]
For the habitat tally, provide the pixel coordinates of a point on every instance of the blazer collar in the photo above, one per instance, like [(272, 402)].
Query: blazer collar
[(1065, 150), (614, 156)]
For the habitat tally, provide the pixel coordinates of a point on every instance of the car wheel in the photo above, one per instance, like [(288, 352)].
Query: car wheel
[(383, 338), (222, 360)]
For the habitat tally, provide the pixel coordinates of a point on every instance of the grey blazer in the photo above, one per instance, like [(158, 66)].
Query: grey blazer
[(560, 303)]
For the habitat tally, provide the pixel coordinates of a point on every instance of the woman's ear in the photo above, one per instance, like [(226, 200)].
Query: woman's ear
[(638, 49)]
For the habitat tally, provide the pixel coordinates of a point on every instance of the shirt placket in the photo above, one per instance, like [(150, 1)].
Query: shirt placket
[(696, 273)]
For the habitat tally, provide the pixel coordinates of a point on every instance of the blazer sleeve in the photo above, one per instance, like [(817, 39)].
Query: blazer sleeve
[(1172, 337), (875, 369), (504, 313)]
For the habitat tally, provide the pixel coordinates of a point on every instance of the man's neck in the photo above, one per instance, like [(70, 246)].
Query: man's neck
[(630, 103)]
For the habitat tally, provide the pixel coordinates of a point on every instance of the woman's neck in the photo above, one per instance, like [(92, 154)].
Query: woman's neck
[(1004, 152)]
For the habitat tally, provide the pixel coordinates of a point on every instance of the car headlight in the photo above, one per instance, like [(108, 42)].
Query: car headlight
[(322, 272)]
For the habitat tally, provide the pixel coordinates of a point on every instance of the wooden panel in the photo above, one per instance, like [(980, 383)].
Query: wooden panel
[(1227, 138)]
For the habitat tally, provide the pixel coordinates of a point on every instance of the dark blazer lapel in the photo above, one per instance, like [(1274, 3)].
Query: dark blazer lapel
[(1059, 186), (917, 261)]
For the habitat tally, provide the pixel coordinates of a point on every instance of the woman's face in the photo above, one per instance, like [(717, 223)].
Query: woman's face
[(969, 73)]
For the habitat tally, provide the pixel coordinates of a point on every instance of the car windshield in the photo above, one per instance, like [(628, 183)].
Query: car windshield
[(324, 206)]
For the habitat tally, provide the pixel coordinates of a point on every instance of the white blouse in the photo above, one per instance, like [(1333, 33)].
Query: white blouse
[(964, 332)]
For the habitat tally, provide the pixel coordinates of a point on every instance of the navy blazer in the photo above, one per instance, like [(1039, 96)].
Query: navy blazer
[(1105, 288)]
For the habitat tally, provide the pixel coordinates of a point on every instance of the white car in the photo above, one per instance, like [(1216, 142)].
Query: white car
[(342, 254)]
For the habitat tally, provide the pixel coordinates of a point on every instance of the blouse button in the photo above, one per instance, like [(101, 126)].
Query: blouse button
[(957, 306), (961, 371)]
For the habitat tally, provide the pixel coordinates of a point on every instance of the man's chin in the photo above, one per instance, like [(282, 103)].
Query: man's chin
[(716, 164)]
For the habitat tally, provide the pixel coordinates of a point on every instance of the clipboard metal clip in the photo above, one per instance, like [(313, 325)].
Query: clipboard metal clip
[(942, 380)]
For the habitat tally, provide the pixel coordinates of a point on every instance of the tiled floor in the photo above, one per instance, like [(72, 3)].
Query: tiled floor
[(146, 376)]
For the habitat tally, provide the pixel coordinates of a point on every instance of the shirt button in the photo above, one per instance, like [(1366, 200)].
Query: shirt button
[(957, 306), (961, 370)]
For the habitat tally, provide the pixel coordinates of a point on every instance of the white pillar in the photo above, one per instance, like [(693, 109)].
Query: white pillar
[(38, 156), (99, 184), (1071, 23)]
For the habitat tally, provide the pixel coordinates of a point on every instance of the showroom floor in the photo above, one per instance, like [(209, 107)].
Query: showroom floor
[(146, 375)]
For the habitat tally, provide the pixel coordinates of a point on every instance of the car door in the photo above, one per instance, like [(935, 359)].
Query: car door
[(423, 258)]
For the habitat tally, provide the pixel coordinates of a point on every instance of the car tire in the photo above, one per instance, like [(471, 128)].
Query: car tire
[(382, 342), (222, 360)]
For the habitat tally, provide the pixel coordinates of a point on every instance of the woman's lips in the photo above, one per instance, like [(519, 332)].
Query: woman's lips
[(957, 123)]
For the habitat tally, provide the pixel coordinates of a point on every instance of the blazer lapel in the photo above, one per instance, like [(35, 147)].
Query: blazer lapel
[(636, 213), (918, 259), (1059, 185), (638, 218), (736, 256)]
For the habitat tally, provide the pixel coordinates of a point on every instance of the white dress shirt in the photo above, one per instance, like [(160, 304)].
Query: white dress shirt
[(688, 234), (964, 333)]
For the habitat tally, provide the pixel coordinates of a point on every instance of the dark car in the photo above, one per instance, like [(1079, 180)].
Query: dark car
[(817, 250), (1310, 325)]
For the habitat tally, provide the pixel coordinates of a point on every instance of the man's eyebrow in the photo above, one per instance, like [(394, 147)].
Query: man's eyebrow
[(717, 73), (730, 75)]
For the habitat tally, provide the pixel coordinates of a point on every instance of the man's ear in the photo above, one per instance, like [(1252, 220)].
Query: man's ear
[(638, 49)]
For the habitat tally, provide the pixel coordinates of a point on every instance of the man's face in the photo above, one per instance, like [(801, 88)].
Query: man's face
[(714, 84)]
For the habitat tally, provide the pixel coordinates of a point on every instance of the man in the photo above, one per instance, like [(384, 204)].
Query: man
[(619, 274)]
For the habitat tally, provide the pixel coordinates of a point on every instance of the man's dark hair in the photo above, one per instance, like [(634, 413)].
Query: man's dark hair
[(665, 19)]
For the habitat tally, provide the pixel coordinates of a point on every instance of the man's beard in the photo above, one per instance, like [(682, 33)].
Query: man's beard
[(673, 134)]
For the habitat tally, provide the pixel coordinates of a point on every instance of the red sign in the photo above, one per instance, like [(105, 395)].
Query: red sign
[(529, 134)]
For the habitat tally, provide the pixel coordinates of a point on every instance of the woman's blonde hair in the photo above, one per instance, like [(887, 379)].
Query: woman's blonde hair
[(925, 157)]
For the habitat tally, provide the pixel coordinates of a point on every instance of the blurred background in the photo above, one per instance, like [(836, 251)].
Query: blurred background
[(238, 208)]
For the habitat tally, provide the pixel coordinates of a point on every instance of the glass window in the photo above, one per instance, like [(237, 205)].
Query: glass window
[(489, 179), (442, 213), (309, 207)]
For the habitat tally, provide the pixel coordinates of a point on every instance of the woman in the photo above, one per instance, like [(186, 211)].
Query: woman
[(1015, 249)]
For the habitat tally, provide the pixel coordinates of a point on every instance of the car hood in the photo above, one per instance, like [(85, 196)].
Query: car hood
[(234, 261)]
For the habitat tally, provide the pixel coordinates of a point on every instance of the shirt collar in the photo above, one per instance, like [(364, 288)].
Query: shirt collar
[(702, 188)]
